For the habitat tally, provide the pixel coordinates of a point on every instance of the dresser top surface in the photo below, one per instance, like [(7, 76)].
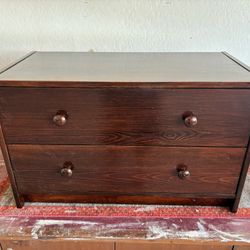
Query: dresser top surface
[(101, 67)]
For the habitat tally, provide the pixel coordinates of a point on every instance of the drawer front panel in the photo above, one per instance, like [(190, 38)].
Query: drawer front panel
[(125, 116), (125, 170)]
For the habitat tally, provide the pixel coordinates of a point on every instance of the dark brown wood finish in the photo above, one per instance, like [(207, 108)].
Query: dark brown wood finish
[(19, 200), (126, 116), (120, 170), (129, 110), (243, 175), (131, 199), (136, 85)]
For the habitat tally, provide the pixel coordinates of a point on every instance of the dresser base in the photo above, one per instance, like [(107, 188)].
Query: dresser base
[(109, 199)]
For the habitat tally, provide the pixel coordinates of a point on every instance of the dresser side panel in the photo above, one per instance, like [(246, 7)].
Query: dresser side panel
[(242, 179), (19, 199)]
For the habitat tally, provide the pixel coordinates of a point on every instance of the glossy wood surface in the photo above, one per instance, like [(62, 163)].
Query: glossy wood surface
[(127, 67), (130, 111), (114, 170), (126, 116)]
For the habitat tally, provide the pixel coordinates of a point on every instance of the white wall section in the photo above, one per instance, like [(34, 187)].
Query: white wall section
[(124, 25)]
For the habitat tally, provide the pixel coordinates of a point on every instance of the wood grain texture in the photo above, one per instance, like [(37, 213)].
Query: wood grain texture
[(56, 245), (114, 170), (127, 67), (125, 106), (126, 116), (162, 246)]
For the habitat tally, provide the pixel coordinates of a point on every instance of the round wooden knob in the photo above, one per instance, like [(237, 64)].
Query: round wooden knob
[(67, 169), (60, 118), (190, 119), (183, 171)]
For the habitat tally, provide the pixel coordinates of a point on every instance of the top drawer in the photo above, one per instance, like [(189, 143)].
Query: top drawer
[(126, 116)]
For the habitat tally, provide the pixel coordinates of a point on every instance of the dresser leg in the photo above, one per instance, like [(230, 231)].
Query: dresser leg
[(242, 179), (19, 200)]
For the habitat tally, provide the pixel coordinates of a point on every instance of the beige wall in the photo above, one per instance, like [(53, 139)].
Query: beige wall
[(124, 25)]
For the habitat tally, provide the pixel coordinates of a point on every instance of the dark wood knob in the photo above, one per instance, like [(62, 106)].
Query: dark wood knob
[(190, 119), (67, 169), (183, 171), (60, 118)]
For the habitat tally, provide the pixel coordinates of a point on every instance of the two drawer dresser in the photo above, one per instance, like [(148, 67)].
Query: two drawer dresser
[(155, 128)]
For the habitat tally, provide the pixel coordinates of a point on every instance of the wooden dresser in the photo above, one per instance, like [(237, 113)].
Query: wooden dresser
[(157, 128)]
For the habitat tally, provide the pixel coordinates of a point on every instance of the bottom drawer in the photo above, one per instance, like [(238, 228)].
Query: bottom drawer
[(119, 171)]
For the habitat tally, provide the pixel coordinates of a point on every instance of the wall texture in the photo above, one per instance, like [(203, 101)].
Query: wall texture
[(124, 25)]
